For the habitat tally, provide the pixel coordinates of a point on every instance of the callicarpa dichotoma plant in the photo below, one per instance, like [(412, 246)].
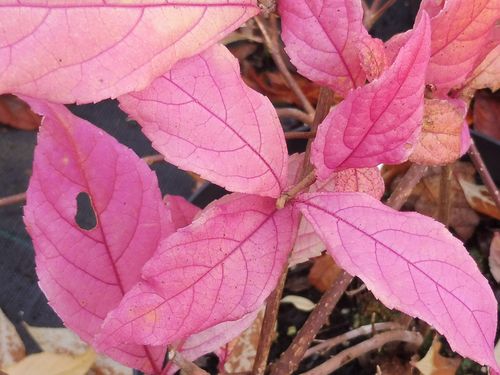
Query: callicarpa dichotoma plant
[(145, 278)]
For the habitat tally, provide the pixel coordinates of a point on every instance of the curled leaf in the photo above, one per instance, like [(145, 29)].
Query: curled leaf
[(202, 117), (84, 270), (380, 122), (218, 269), (89, 50), (410, 262)]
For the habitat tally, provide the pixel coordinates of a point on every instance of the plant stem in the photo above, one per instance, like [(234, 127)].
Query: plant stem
[(268, 325), (272, 42), (406, 185), (378, 12), (152, 159), (290, 359), (295, 113), (445, 195), (484, 173), (368, 329), (187, 367), (295, 190), (13, 199), (367, 346), (300, 135)]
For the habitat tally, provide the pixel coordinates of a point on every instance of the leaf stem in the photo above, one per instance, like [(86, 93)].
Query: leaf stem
[(271, 36), (484, 173), (364, 347), (290, 359)]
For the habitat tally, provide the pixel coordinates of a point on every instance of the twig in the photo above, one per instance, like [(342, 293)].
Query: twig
[(272, 43), (484, 173), (295, 190), (300, 135), (150, 160), (13, 199), (444, 195), (375, 14), (368, 329), (290, 359), (268, 325), (295, 114), (406, 185), (187, 367), (367, 346)]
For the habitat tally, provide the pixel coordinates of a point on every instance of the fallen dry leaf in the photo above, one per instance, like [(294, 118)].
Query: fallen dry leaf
[(323, 272), (53, 364), (435, 364), (16, 113), (65, 341), (494, 258), (300, 303), (486, 113), (11, 346), (244, 348), (479, 198)]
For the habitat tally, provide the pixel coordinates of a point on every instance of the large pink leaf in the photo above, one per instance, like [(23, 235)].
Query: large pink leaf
[(88, 50), (203, 118), (410, 262), (459, 32), (323, 39), (379, 122), (363, 180), (218, 269), (85, 273), (440, 141)]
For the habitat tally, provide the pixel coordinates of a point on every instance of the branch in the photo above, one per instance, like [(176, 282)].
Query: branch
[(445, 195), (299, 135), (368, 329), (273, 45), (376, 12), (290, 359), (484, 173), (187, 367), (367, 346), (406, 185), (295, 114), (296, 190)]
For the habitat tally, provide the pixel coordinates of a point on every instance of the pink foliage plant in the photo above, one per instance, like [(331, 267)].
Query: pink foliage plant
[(153, 273)]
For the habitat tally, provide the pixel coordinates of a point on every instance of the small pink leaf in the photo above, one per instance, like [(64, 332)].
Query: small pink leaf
[(85, 272), (88, 50), (323, 38), (202, 117), (410, 262), (362, 180), (380, 122), (440, 142), (220, 268), (182, 212), (459, 33), (372, 57)]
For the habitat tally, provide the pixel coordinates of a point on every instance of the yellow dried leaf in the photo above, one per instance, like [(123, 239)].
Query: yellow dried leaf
[(435, 364), (11, 346)]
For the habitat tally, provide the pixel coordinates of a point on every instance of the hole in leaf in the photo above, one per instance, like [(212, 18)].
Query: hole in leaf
[(85, 215)]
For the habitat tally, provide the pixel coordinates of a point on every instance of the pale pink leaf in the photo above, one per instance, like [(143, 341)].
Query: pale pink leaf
[(323, 38), (380, 122), (440, 141), (362, 180), (220, 268), (410, 262), (88, 50), (394, 45), (202, 117), (372, 57), (85, 273), (459, 33), (465, 139), (182, 212)]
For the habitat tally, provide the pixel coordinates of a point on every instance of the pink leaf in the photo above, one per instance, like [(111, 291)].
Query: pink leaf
[(363, 180), (459, 32), (203, 118), (218, 269), (323, 38), (85, 51), (410, 262), (440, 142), (182, 212), (372, 57), (85, 273), (379, 122)]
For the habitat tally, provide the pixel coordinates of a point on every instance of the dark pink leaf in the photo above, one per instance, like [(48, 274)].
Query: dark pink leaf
[(410, 262), (380, 122), (459, 33), (182, 212), (202, 117), (323, 39), (220, 268), (88, 50), (85, 272)]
